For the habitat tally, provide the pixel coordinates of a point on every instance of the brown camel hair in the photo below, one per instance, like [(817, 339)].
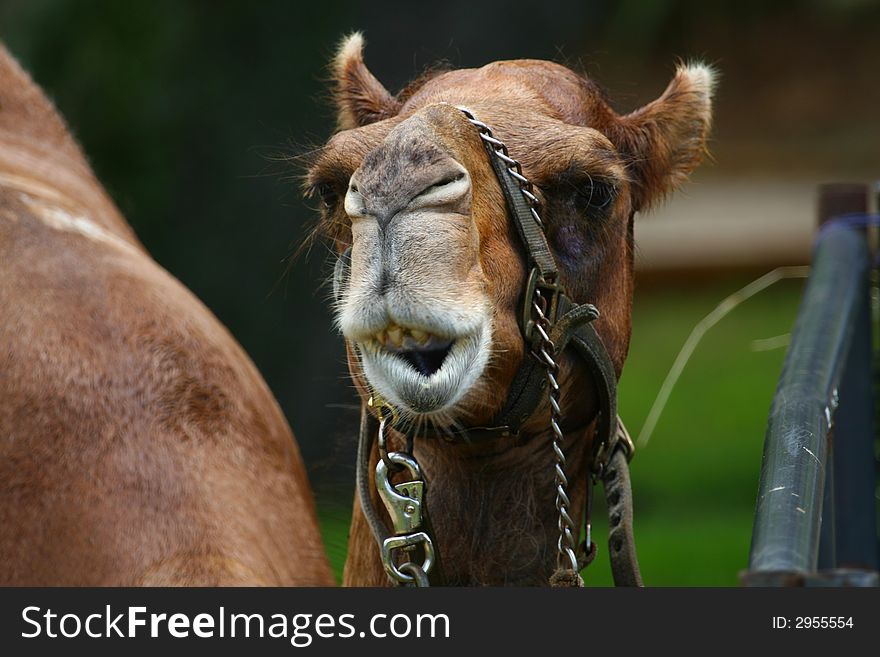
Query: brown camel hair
[(492, 505), (138, 443)]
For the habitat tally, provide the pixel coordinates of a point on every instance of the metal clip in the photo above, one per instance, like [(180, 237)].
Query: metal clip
[(408, 542), (382, 409), (402, 501)]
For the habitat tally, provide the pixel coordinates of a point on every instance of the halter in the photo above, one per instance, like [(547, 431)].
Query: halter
[(549, 322)]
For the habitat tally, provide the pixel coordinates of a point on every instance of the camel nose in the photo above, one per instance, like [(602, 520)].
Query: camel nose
[(383, 195)]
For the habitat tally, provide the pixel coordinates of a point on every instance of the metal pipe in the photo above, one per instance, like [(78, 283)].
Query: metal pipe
[(855, 482), (789, 506), (828, 529)]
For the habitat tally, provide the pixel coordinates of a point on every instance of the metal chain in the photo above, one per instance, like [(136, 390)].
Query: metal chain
[(420, 577), (514, 168), (567, 542)]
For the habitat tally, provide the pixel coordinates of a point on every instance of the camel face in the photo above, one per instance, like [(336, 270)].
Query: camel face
[(431, 304)]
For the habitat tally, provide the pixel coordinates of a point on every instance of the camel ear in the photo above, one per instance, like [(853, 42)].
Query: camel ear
[(360, 97), (666, 139)]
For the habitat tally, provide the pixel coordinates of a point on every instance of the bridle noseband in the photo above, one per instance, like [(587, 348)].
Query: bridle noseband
[(550, 322)]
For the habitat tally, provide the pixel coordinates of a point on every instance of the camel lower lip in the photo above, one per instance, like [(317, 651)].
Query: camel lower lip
[(425, 360), (426, 380)]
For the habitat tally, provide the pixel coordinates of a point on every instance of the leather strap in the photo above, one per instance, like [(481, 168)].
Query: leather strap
[(532, 235), (369, 427), (618, 496), (589, 346)]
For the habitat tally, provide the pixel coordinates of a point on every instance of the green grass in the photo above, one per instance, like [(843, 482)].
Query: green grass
[(695, 482)]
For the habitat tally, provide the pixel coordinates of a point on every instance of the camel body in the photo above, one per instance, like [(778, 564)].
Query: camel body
[(139, 445)]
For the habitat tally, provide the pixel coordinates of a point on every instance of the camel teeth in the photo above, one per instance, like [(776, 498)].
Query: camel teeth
[(395, 334)]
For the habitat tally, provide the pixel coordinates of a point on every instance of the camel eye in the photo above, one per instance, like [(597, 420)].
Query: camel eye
[(328, 195), (596, 194)]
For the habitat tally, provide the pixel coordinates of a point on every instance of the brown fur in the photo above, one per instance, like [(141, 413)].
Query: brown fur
[(492, 505), (360, 97), (138, 442)]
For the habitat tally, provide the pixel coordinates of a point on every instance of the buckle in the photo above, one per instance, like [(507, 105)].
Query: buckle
[(551, 290), (620, 440), (625, 441)]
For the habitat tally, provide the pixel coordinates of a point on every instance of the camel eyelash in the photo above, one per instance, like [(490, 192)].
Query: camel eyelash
[(597, 194), (589, 194), (326, 192)]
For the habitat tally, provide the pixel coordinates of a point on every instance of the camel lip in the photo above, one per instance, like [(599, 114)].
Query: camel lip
[(425, 358), (426, 380)]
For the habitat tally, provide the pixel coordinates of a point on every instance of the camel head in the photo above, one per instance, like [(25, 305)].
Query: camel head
[(430, 305)]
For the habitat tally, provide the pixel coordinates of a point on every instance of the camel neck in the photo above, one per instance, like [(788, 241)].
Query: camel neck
[(494, 512)]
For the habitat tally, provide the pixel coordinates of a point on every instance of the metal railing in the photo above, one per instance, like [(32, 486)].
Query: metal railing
[(815, 519)]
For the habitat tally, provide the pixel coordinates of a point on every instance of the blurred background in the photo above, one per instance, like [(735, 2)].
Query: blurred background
[(191, 112)]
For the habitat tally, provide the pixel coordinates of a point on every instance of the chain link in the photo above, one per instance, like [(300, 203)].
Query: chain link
[(567, 542), (514, 168), (546, 353), (419, 576)]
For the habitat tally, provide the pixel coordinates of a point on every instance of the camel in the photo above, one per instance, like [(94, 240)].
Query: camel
[(138, 443), (435, 272)]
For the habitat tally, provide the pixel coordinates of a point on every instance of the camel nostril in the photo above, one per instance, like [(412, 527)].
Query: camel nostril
[(426, 361), (450, 179)]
